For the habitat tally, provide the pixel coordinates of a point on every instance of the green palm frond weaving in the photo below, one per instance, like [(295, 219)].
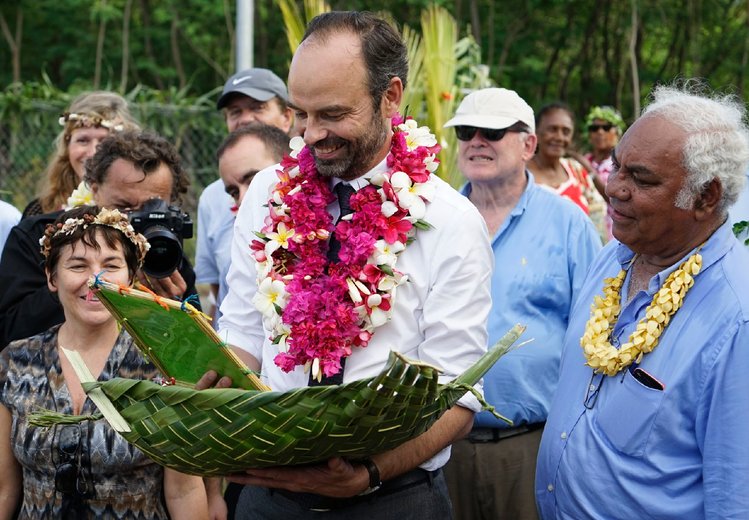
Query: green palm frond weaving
[(223, 431)]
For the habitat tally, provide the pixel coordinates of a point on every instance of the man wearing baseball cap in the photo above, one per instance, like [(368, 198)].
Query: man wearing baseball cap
[(542, 246), (255, 95)]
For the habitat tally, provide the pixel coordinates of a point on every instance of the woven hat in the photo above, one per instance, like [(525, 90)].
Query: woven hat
[(493, 108), (260, 84)]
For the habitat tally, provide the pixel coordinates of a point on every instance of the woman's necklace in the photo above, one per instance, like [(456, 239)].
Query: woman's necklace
[(600, 354)]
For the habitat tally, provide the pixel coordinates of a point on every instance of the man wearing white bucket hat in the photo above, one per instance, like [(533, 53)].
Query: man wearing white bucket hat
[(542, 246)]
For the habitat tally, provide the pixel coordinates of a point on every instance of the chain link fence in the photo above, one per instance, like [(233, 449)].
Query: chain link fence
[(27, 141)]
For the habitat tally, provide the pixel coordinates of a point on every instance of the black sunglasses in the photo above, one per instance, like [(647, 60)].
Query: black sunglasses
[(466, 133), (596, 128), (70, 478)]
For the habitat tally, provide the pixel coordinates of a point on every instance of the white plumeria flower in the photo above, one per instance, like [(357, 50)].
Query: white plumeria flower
[(353, 291), (280, 211), (278, 239), (272, 322), (417, 136), (431, 163), (263, 269), (316, 373), (282, 344), (389, 208), (411, 195), (270, 293), (81, 196), (361, 312), (378, 317), (378, 179), (296, 144), (362, 288), (386, 254)]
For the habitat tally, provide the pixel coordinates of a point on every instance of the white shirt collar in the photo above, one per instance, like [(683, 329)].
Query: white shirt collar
[(363, 180)]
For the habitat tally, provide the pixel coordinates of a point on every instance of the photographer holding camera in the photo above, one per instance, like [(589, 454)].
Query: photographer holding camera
[(136, 172)]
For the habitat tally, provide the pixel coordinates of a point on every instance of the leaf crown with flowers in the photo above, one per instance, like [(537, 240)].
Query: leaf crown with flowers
[(106, 217), (91, 120)]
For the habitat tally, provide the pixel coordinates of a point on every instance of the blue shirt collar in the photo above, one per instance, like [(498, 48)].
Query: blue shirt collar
[(521, 205), (719, 243)]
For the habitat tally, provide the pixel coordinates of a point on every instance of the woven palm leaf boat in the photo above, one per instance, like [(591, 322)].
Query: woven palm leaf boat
[(224, 431)]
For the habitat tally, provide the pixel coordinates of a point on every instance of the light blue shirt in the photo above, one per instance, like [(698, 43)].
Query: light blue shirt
[(9, 217), (215, 231), (541, 254), (637, 452)]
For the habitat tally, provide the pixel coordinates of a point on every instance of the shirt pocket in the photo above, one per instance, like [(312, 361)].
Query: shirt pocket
[(626, 418)]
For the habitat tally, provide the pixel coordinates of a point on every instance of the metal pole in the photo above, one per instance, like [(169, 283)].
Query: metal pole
[(245, 32)]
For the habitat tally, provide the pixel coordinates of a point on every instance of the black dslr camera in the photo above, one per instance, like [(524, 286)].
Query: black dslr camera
[(164, 227)]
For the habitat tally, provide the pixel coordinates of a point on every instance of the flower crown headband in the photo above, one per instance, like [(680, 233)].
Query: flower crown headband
[(606, 113), (89, 121), (106, 217)]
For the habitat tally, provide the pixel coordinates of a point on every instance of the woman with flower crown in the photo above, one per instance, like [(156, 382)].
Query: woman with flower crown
[(84, 470), (89, 119)]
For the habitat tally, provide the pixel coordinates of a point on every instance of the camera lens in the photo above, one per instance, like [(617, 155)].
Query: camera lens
[(165, 254)]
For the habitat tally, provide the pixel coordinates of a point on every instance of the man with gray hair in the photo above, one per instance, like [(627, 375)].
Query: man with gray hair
[(649, 418)]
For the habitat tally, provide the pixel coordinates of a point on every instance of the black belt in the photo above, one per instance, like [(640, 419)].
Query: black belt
[(481, 435), (313, 502)]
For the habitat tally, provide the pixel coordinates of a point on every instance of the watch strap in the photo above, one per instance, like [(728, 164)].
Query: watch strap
[(374, 473)]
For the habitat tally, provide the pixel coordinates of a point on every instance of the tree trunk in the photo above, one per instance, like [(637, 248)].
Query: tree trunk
[(100, 48), (633, 61), (475, 21), (744, 57), (176, 55), (14, 42), (230, 32), (145, 8), (558, 46), (514, 30), (125, 45)]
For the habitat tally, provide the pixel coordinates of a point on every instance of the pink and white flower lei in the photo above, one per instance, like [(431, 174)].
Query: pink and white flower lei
[(316, 310)]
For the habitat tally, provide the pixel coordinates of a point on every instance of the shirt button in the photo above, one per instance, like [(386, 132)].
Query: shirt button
[(592, 388), (564, 435), (550, 487)]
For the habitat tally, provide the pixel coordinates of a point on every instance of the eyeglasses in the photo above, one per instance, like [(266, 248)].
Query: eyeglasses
[(596, 128), (466, 133), (70, 478)]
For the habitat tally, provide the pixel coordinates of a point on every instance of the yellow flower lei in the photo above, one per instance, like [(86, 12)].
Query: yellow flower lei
[(604, 312)]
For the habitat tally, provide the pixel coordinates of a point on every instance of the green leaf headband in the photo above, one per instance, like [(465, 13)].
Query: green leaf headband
[(606, 113)]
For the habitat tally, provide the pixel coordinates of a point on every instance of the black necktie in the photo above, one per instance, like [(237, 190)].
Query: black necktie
[(344, 192)]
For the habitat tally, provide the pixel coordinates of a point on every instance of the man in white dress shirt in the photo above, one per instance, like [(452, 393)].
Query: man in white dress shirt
[(345, 85)]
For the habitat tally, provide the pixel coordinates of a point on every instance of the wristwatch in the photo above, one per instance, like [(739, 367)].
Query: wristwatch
[(374, 476)]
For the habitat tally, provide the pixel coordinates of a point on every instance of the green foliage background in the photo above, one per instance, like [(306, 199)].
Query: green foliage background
[(170, 57), (576, 50)]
